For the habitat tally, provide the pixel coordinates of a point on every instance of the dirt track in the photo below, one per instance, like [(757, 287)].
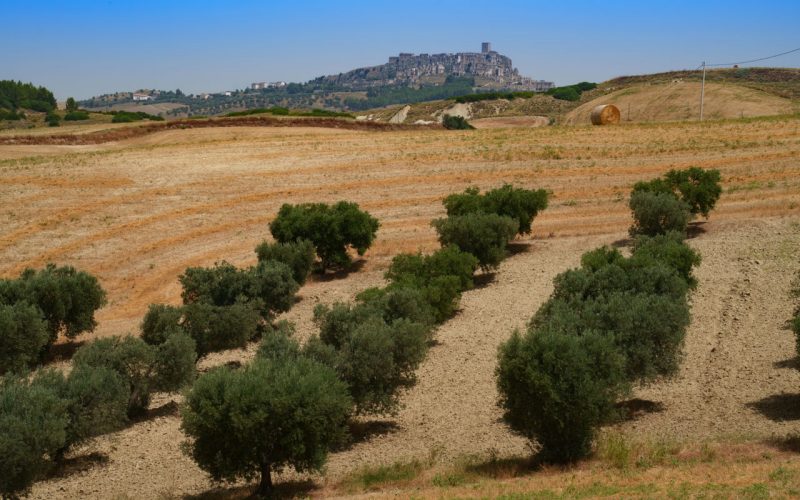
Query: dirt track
[(138, 212)]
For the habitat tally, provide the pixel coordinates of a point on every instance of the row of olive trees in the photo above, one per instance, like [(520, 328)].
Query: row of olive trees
[(290, 406), (612, 323)]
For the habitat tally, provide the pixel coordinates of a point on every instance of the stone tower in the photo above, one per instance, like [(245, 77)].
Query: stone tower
[(486, 47)]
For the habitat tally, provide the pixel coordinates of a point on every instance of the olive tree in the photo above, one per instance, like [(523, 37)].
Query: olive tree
[(332, 229), (520, 204), (657, 213), (555, 389), (485, 236), (68, 298), (144, 368), (698, 188), (266, 416)]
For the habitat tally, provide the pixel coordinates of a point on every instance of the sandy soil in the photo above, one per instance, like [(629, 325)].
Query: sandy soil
[(137, 213)]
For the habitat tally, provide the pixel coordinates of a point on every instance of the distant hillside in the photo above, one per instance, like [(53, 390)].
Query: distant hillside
[(730, 93), (680, 100)]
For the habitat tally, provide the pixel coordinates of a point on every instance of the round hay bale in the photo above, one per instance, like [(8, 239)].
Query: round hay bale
[(605, 114)]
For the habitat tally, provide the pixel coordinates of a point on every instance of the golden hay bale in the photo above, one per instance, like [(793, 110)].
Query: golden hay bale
[(605, 114)]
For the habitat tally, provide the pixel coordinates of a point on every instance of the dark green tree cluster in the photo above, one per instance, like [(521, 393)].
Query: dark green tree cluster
[(483, 224), (670, 202), (52, 118), (491, 96), (44, 415), (225, 307), (332, 229), (133, 116), (571, 92), (15, 95), (452, 122), (39, 306), (77, 115), (614, 322)]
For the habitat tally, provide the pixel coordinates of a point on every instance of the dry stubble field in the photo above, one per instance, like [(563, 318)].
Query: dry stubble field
[(136, 213)]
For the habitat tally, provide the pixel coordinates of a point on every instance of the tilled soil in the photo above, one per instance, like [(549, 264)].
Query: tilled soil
[(738, 377)]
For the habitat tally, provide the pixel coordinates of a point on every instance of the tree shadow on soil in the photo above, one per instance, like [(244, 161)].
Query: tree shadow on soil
[(78, 465), (635, 408), (339, 273), (483, 280), (282, 489), (363, 431), (778, 407), (170, 409), (517, 247), (787, 443), (793, 363), (62, 351), (695, 229), (504, 468)]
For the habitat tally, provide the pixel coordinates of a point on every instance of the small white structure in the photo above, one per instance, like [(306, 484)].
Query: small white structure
[(141, 97)]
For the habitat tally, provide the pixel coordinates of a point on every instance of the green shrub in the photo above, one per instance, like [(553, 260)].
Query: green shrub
[(557, 388), (71, 105), (73, 116), (657, 213), (95, 398), (23, 336), (174, 363), (671, 250), (33, 423), (483, 235), (420, 270), (648, 329), (566, 94), (217, 328), (277, 343), (268, 286), (53, 119), (375, 359), (332, 229), (264, 417), (639, 304), (160, 322), (298, 255), (520, 204), (698, 188), (133, 116), (67, 298), (143, 367), (451, 122), (397, 302), (439, 277)]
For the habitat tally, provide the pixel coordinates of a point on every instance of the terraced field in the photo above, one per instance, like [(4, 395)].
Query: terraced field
[(137, 212)]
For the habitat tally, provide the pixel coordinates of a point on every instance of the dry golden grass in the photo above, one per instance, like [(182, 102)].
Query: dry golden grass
[(139, 211)]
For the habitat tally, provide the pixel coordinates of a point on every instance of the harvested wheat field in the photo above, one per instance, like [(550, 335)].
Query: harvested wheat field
[(137, 212)]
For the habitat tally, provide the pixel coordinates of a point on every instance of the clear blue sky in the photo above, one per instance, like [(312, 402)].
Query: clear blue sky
[(83, 48)]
